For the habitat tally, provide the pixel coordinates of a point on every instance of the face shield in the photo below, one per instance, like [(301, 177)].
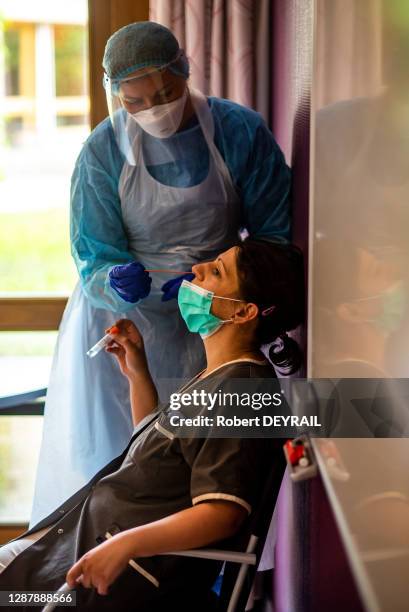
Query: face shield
[(150, 101)]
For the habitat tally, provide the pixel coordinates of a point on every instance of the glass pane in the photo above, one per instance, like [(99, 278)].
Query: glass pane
[(27, 343), (70, 76), (360, 248), (25, 362), (43, 123), (12, 52), (370, 502), (44, 107), (20, 438)]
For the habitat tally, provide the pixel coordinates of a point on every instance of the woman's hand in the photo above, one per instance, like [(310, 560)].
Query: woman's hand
[(128, 348), (100, 566), (131, 281)]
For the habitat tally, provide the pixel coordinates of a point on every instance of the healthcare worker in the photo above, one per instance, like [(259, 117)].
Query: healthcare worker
[(168, 180)]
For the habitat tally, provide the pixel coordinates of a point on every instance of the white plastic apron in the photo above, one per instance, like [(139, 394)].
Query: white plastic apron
[(87, 414)]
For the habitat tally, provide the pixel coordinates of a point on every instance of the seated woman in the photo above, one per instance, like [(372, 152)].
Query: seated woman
[(167, 493)]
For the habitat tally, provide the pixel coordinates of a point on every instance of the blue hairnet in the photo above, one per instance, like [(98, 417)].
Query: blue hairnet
[(140, 45)]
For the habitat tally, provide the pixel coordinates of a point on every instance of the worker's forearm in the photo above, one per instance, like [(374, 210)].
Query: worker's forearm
[(143, 394), (194, 527)]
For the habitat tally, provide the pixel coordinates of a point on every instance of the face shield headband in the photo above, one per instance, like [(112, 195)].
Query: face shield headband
[(131, 120), (112, 86)]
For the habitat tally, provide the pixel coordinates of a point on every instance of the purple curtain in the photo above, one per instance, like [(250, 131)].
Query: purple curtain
[(228, 43)]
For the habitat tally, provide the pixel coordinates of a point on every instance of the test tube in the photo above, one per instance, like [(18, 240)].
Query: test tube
[(101, 344)]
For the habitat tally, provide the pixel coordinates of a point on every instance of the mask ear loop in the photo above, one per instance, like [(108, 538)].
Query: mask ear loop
[(220, 297), (264, 313), (117, 81)]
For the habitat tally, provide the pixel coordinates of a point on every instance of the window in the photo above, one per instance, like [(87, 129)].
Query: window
[(44, 110)]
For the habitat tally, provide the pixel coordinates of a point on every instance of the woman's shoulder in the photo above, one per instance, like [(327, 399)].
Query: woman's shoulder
[(231, 113), (101, 136), (241, 135), (101, 147)]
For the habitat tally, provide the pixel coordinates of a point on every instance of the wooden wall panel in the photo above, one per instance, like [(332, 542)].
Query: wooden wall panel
[(9, 532), (105, 17), (31, 313)]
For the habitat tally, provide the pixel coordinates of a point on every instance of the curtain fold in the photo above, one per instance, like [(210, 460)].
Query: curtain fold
[(351, 34)]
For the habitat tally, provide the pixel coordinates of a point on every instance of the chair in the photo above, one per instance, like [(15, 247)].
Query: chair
[(242, 562)]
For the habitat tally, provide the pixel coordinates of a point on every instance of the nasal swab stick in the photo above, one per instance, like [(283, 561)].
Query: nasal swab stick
[(171, 271)]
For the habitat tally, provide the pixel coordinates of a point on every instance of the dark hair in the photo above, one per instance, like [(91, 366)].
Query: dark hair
[(271, 275)]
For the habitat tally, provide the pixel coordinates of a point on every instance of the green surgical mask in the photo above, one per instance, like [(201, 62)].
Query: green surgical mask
[(195, 304)]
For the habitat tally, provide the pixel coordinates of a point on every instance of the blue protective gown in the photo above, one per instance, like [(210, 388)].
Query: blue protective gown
[(256, 165)]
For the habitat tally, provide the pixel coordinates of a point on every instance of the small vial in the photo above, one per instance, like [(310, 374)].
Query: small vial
[(101, 344)]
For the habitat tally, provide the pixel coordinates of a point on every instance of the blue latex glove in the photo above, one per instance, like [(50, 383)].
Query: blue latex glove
[(171, 287), (130, 281)]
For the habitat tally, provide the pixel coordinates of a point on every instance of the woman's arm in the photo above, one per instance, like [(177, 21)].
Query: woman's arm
[(194, 527), (144, 397), (129, 350)]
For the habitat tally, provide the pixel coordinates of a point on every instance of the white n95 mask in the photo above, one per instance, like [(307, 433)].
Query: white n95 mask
[(162, 120)]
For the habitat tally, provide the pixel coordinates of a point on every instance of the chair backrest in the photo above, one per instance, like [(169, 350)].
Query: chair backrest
[(257, 526)]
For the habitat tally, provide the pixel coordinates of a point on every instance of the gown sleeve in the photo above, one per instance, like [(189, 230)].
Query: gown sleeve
[(257, 167), (98, 238)]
